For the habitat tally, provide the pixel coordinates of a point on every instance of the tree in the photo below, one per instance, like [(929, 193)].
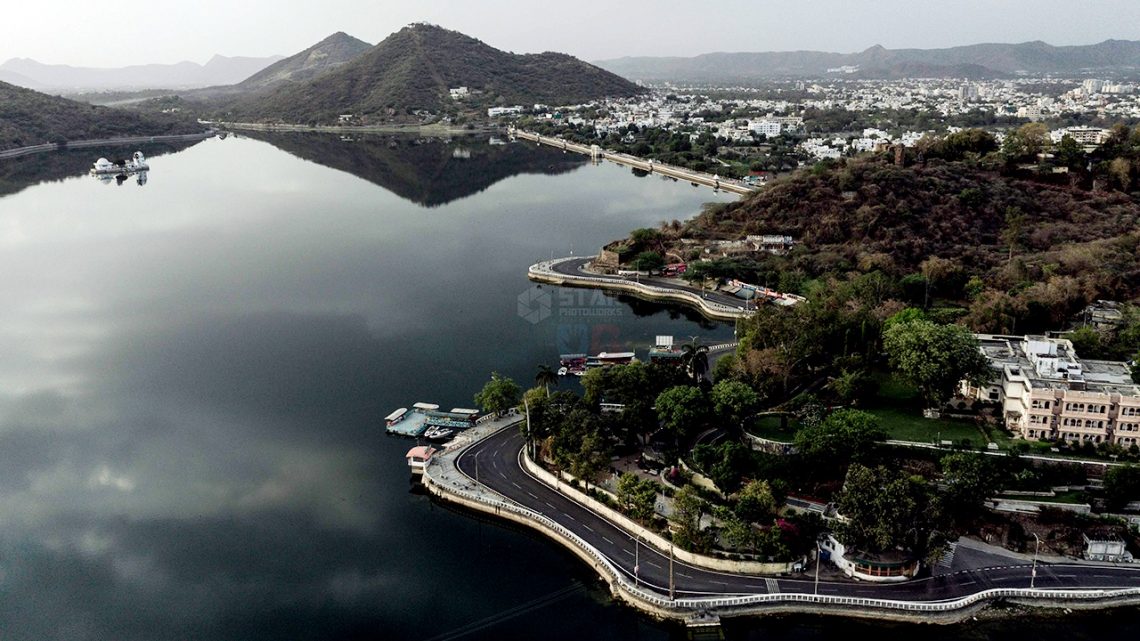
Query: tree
[(578, 445), (681, 410), (1086, 342), (1070, 154), (648, 261), (1014, 229), (1122, 485), (755, 502), (936, 358), (688, 508), (853, 386), (591, 457), (499, 394), (885, 509), (840, 437), (733, 401), (1120, 170), (1026, 142), (696, 359), (546, 377), (727, 368), (734, 531), (637, 496), (970, 479)]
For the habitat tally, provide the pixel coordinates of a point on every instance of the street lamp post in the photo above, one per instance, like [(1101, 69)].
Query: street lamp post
[(526, 405), (818, 560), (636, 565), (1033, 572)]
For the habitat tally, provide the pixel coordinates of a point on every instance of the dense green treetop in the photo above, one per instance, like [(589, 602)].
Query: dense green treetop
[(840, 437), (935, 358), (499, 394)]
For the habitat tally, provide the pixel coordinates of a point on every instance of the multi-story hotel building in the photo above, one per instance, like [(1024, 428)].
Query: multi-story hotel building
[(1047, 393)]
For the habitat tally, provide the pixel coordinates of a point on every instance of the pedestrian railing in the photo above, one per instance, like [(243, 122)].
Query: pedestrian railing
[(621, 579), (546, 269)]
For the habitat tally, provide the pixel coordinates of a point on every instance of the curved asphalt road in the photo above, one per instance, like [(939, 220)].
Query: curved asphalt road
[(574, 268), (496, 460)]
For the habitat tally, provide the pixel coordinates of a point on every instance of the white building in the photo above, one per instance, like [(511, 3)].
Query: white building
[(458, 93), (494, 112), (766, 128), (1047, 393), (1088, 136)]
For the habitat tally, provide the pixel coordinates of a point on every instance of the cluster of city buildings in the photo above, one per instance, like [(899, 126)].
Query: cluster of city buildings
[(744, 120)]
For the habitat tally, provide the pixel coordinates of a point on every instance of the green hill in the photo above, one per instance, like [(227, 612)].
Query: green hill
[(1007, 248), (32, 118), (330, 53), (414, 68)]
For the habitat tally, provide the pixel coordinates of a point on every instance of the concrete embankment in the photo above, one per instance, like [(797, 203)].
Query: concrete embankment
[(102, 142), (677, 173), (443, 479), (542, 272)]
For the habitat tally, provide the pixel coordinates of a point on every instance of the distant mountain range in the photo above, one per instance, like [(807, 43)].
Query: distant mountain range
[(220, 70), (972, 61), (426, 171), (414, 68)]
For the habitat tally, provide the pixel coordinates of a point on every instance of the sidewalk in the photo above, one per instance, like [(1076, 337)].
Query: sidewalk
[(981, 546), (443, 469)]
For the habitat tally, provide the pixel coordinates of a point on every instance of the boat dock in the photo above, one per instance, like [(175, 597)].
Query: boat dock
[(423, 416)]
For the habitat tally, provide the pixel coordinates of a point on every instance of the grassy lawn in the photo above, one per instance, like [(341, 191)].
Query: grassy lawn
[(769, 427), (900, 411), (907, 425)]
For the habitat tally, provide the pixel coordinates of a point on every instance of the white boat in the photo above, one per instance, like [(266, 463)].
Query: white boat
[(136, 164), (439, 433)]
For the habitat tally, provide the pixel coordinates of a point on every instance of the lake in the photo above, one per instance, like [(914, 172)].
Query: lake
[(195, 372)]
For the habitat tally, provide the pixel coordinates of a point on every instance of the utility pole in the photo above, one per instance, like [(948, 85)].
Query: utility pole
[(1033, 572), (526, 405), (636, 565), (818, 560), (672, 586)]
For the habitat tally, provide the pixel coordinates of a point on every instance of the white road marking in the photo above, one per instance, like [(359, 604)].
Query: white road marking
[(607, 540)]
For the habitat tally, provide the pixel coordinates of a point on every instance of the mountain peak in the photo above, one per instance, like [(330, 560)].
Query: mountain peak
[(413, 69)]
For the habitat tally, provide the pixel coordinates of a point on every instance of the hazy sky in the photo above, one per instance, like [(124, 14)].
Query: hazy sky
[(87, 33)]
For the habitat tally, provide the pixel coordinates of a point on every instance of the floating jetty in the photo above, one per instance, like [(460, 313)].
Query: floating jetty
[(424, 416)]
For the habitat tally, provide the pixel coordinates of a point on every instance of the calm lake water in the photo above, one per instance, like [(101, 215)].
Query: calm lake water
[(194, 374)]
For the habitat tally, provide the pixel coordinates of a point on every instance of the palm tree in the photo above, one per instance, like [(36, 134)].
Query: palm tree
[(696, 359), (545, 377)]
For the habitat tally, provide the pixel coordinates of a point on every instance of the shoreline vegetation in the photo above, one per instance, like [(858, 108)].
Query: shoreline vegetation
[(18, 152), (436, 129)]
